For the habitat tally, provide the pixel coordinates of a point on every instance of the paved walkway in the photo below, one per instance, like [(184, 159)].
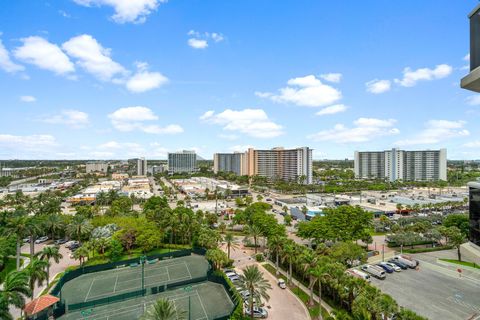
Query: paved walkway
[(283, 304), (297, 283)]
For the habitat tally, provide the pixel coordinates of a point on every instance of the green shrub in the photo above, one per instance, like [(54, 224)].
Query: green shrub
[(259, 257), (420, 250)]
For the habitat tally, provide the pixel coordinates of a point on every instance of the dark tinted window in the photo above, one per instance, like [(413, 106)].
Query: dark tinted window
[(475, 215), (475, 40)]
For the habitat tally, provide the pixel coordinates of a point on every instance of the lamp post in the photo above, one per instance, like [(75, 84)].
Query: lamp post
[(189, 289), (143, 258)]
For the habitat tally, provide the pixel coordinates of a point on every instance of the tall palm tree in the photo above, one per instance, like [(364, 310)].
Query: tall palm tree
[(13, 291), (102, 244), (48, 253), (53, 224), (255, 232), (34, 228), (289, 253), (252, 281), (36, 273), (309, 262), (320, 273), (79, 227), (19, 226), (231, 243), (80, 254), (275, 244), (164, 309)]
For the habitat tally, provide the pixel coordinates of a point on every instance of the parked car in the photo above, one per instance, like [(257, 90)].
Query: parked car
[(41, 239), (409, 263), (393, 266), (388, 269), (409, 258), (26, 240), (377, 272), (258, 312), (60, 241), (229, 271), (232, 276), (281, 283), (399, 264), (359, 274)]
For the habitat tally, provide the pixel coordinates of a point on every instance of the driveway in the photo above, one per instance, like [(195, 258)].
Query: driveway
[(283, 304)]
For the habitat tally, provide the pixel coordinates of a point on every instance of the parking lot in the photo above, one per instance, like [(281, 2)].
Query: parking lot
[(434, 291)]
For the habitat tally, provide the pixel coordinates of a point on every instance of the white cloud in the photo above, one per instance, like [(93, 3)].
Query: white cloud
[(200, 40), (230, 137), (197, 43), (28, 99), (467, 57), (72, 118), (332, 77), (436, 131), (411, 77), (6, 63), (144, 80), (36, 141), (305, 91), (472, 144), (252, 122), (45, 55), (365, 129), (137, 118), (473, 100), (135, 11), (337, 108), (93, 57), (377, 86)]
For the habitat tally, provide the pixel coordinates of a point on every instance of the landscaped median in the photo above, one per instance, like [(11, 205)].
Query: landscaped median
[(461, 263), (302, 295)]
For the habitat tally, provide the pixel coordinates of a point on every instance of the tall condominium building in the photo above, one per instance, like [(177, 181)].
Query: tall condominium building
[(96, 166), (141, 167), (182, 162), (230, 162), (392, 165), (279, 163)]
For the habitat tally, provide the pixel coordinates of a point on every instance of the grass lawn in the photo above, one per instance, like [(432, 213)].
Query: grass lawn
[(10, 265), (137, 253), (304, 297), (463, 263)]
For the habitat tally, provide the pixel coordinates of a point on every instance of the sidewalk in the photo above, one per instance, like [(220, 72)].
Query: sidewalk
[(304, 288)]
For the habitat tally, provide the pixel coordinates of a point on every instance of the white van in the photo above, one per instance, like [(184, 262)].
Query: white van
[(375, 271), (405, 256), (411, 264), (359, 274)]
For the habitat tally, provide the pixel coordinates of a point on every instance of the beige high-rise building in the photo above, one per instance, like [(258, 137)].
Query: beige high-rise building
[(274, 164)]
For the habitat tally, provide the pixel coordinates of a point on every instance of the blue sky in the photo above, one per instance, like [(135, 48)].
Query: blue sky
[(115, 79)]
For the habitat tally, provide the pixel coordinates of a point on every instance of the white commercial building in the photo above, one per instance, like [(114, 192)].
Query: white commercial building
[(395, 164), (141, 167), (230, 162)]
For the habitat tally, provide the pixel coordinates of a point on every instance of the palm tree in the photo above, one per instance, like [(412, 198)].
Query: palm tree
[(252, 281), (164, 309), (289, 253), (48, 253), (33, 229), (79, 227), (53, 224), (80, 254), (102, 244), (275, 244), (231, 243), (254, 232), (13, 291), (19, 226), (36, 273), (320, 273), (309, 262)]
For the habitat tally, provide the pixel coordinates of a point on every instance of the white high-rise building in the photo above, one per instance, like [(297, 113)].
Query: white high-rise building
[(392, 165), (230, 162), (182, 162)]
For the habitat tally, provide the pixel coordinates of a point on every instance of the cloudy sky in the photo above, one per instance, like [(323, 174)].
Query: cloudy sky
[(82, 79)]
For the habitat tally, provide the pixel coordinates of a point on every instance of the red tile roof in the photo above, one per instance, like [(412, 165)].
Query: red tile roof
[(39, 304)]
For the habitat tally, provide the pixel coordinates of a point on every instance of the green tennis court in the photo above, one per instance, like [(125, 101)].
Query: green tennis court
[(98, 285), (208, 301)]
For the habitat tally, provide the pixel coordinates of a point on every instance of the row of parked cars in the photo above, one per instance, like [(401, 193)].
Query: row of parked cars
[(380, 270), (258, 311)]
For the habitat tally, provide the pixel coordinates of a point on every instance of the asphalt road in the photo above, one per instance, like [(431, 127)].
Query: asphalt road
[(434, 291)]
